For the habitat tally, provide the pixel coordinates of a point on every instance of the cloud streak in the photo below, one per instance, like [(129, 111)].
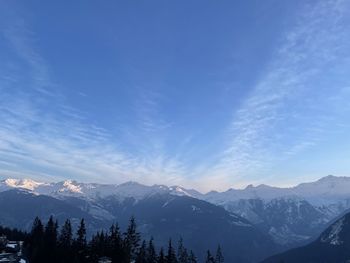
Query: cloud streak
[(55, 146), (287, 97)]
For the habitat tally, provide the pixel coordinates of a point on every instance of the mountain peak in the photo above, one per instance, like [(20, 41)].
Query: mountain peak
[(131, 183), (332, 178), (22, 183), (71, 186), (328, 178)]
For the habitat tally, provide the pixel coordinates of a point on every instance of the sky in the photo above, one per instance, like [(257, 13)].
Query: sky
[(204, 94)]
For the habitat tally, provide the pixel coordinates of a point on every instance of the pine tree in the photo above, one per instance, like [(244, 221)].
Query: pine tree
[(219, 258), (115, 243), (36, 242), (151, 252), (182, 252), (81, 235), (171, 256), (65, 238), (50, 240), (102, 243), (98, 245), (161, 257), (80, 242), (65, 242), (209, 258), (192, 258), (131, 240), (141, 255)]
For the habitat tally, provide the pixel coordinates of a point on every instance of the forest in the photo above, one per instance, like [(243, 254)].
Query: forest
[(61, 244)]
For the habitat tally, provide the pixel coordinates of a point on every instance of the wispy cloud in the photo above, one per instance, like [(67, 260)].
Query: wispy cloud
[(148, 111), (51, 148), (283, 114), (22, 40), (154, 130), (42, 144)]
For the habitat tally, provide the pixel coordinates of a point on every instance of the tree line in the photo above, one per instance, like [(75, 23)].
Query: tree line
[(12, 234), (54, 244)]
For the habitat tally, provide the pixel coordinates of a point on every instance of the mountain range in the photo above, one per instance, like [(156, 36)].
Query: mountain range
[(292, 215), (263, 218), (161, 213)]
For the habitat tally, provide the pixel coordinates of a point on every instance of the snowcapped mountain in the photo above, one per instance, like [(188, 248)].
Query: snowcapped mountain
[(93, 190), (290, 215), (262, 191), (326, 190), (333, 245), (27, 184)]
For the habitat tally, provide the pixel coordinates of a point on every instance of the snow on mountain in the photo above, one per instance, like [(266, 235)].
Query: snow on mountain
[(330, 195), (22, 183), (333, 236), (332, 245), (250, 192), (289, 215), (71, 186), (324, 191), (93, 190), (178, 190)]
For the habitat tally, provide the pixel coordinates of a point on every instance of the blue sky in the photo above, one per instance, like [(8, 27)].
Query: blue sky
[(205, 94)]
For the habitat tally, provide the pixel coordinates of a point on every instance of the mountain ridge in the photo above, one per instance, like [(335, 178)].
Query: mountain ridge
[(325, 190), (31, 184)]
